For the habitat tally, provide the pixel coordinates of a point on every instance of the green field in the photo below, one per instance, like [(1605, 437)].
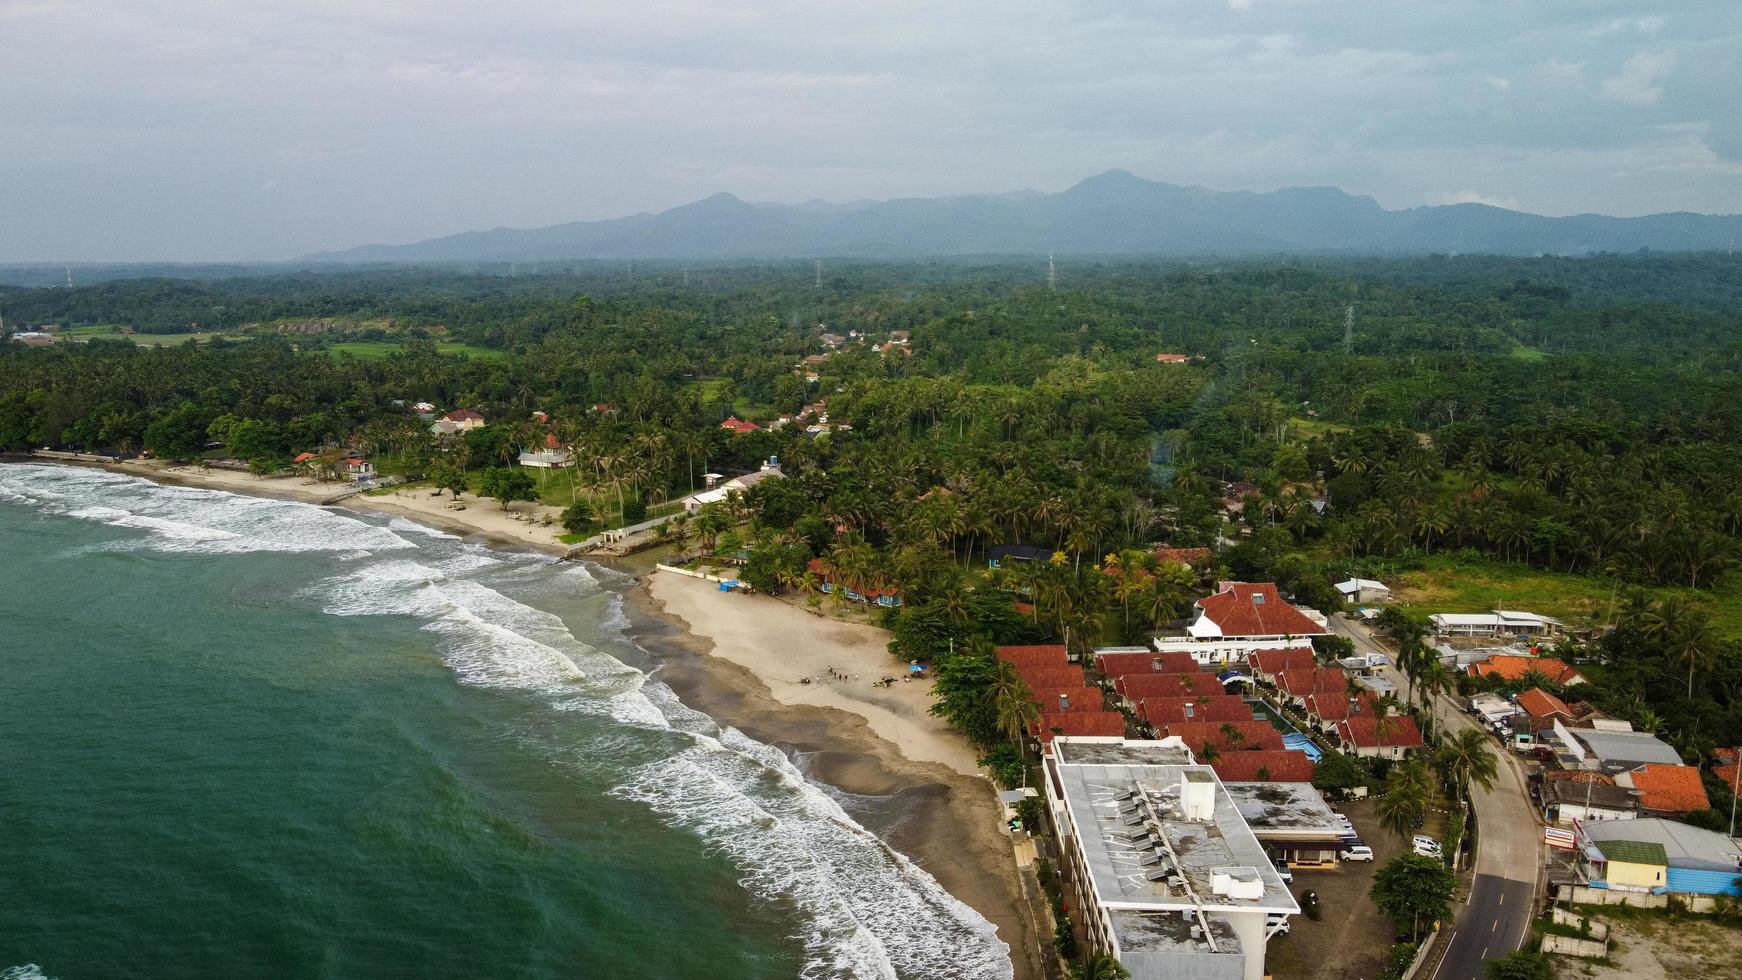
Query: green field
[(1446, 583), (113, 332), (373, 349), (1524, 353)]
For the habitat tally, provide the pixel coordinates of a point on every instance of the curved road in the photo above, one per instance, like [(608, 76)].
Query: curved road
[(1496, 918)]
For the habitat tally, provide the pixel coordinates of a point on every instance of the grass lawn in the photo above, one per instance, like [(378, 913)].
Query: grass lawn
[(369, 350), (1453, 584), (1304, 428), (111, 332), (1524, 353)]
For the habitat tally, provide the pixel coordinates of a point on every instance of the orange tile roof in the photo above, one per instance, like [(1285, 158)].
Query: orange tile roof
[(1334, 706), (1078, 698), (1362, 731), (1323, 680), (1254, 735), (1256, 609), (1515, 668), (1120, 664), (1279, 765), (1538, 703), (1730, 776), (1064, 675), (1669, 789), (1182, 685), (1051, 655), (1163, 711), (1189, 557), (1277, 661)]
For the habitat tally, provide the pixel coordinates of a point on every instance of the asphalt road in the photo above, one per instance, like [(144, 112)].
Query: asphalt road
[(1509, 847)]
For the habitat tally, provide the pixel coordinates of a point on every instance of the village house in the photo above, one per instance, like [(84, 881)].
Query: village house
[(738, 427), (551, 456), (1358, 590), (1241, 619), (885, 596), (457, 421), (1010, 555), (1500, 622), (1675, 857), (1516, 668), (1543, 709), (1170, 358), (1666, 790), (1392, 737)]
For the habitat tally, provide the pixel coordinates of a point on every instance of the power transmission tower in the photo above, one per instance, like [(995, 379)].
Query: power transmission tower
[(69, 277), (686, 277), (1349, 331), (1052, 273), (819, 273)]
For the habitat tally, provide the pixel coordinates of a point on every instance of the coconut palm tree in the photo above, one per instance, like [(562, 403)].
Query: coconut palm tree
[(1100, 966), (1464, 758), (1013, 701), (1405, 799)]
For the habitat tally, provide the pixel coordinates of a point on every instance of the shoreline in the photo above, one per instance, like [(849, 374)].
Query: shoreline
[(942, 813), (917, 778)]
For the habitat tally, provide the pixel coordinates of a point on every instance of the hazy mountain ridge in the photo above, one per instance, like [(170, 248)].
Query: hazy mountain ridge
[(1112, 213)]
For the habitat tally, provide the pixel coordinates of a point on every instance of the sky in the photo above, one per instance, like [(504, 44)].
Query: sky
[(189, 130)]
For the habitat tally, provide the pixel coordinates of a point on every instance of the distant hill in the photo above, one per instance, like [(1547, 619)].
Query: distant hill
[(1113, 213)]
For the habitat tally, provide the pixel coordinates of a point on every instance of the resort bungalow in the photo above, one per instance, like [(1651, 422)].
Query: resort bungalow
[(870, 595), (1066, 699), (1241, 619), (1500, 622), (1047, 655), (1119, 661), (1294, 686), (1665, 856), (1133, 688), (1265, 766), (1218, 708), (358, 469), (1267, 665), (1392, 737), (1325, 710), (1076, 724), (1227, 737)]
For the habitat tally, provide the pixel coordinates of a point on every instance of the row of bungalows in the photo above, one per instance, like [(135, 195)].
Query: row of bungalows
[(885, 596), (1068, 704), (1352, 720), (1224, 737), (1293, 687)]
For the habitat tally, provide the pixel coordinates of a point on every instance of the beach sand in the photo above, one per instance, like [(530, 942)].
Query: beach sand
[(738, 658)]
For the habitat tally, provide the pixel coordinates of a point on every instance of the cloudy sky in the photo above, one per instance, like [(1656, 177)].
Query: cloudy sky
[(202, 129)]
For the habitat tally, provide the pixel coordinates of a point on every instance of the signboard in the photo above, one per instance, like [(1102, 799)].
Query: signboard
[(1562, 839)]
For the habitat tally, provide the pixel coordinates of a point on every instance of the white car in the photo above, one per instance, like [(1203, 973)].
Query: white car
[(1426, 846), (1356, 852), (1276, 925)]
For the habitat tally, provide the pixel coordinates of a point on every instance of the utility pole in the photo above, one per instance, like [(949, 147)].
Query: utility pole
[(1349, 331), (1052, 273)]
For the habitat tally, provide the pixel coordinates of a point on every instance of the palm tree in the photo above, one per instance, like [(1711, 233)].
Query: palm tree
[(1100, 966), (1405, 799), (1686, 633), (1464, 758)]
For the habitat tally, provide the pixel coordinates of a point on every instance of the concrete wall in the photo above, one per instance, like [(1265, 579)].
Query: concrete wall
[(1628, 874), (1594, 949), (689, 572), (1584, 895)]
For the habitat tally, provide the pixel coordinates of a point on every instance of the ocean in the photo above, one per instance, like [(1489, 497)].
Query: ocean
[(254, 738)]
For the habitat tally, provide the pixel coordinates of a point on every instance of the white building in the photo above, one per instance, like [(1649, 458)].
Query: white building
[(1242, 619), (1500, 622), (1364, 590), (1167, 876), (738, 484)]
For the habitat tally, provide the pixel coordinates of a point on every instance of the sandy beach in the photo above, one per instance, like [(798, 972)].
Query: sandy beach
[(739, 659)]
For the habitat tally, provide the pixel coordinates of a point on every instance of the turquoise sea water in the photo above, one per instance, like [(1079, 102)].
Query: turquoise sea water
[(250, 738)]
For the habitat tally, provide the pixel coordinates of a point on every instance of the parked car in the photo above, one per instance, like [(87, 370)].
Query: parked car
[(1356, 852), (1426, 846), (1282, 872), (1276, 924)]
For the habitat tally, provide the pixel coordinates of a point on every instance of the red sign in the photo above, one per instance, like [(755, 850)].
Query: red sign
[(1563, 839)]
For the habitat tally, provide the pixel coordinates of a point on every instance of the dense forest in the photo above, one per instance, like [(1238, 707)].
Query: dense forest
[(1574, 416)]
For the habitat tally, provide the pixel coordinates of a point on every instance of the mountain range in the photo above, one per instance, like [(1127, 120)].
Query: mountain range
[(1114, 213)]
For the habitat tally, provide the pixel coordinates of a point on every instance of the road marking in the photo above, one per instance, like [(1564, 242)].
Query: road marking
[(1495, 926), (1502, 898), (1484, 952)]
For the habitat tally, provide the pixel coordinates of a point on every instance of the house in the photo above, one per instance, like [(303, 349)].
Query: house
[(1010, 555), (1612, 752), (1077, 723), (1392, 737), (457, 421), (1630, 865), (1508, 667), (738, 427), (1124, 811), (1241, 619), (738, 484), (358, 469), (1061, 700), (1235, 496), (1217, 708), (1119, 662), (1543, 709), (1048, 655), (1169, 358), (1364, 590), (1587, 800), (1289, 816), (1045, 678), (1500, 622), (1326, 709), (1133, 688), (1294, 686), (1694, 861), (1265, 766), (1228, 737), (1666, 790), (870, 595), (424, 410), (1266, 665), (1728, 768), (552, 456)]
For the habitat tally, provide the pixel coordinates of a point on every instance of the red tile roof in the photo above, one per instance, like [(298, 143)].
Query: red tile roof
[(1539, 704), (1278, 765), (1320, 680), (1256, 609), (1039, 678), (1079, 698), (1254, 735), (739, 426), (463, 415), (1728, 775), (1140, 686), (1052, 655), (1277, 661), (1670, 789), (1334, 706), (1163, 711), (1363, 731), (1078, 723), (1515, 668), (1166, 358), (1119, 664), (303, 457)]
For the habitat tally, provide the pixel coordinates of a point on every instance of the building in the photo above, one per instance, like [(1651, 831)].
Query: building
[(1119, 661), (1011, 555), (1693, 861), (1076, 724), (1133, 688), (1509, 667), (1295, 686), (1364, 590), (1161, 870), (551, 457), (1666, 790), (1587, 800), (1543, 709), (457, 421), (738, 426), (1227, 737), (1195, 559), (1327, 709), (1500, 622), (357, 468), (878, 595), (1047, 655), (1241, 619), (1392, 737), (1267, 665), (1218, 708), (1288, 816), (1171, 358), (738, 484), (1611, 752)]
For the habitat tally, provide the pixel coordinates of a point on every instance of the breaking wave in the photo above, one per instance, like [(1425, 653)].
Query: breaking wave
[(29, 971), (869, 913)]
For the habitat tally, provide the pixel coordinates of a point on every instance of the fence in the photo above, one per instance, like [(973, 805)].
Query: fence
[(692, 573), (1591, 949), (1585, 895)]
